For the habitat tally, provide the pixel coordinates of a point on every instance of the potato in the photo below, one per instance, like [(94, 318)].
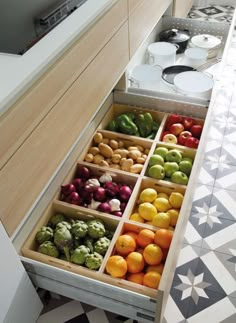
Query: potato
[(121, 151), (121, 144), (115, 166), (105, 141), (136, 168), (140, 160), (89, 158), (104, 163), (134, 154), (113, 144), (105, 150), (97, 159), (126, 164), (116, 158), (97, 138), (93, 150)]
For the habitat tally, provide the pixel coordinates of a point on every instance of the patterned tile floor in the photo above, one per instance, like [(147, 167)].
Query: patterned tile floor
[(204, 285)]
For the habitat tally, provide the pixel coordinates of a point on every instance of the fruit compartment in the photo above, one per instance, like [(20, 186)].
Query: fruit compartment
[(167, 159), (99, 190), (127, 127), (157, 204), (128, 270), (57, 212), (117, 151), (182, 130)]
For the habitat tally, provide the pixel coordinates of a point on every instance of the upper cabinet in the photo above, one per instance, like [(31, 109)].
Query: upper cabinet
[(181, 7), (143, 19)]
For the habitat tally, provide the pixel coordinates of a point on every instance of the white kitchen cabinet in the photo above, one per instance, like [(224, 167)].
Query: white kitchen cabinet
[(17, 291)]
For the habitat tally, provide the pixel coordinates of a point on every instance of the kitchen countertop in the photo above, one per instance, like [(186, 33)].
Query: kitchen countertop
[(18, 72)]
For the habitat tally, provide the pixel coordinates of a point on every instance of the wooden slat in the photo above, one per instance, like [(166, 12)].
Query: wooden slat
[(143, 20), (31, 167), (181, 8), (132, 4), (24, 116)]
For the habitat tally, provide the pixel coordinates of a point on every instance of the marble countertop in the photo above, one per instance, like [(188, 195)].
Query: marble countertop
[(18, 72)]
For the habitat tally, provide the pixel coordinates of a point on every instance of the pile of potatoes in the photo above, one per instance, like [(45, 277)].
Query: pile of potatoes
[(116, 154)]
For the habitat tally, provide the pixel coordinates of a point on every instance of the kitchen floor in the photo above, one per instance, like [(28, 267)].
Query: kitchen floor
[(204, 285)]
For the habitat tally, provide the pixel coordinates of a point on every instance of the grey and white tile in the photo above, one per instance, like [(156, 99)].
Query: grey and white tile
[(202, 198), (226, 176), (225, 203), (207, 172)]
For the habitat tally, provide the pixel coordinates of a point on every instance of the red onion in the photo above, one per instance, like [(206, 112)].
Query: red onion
[(67, 189), (83, 172), (117, 213), (73, 198), (104, 207), (100, 194), (112, 188), (78, 183), (122, 206), (125, 192)]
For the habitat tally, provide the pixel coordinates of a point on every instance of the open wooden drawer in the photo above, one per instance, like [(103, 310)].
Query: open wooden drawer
[(98, 288)]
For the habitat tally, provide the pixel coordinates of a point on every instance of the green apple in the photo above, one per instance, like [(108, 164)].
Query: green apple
[(185, 166), (162, 151), (173, 155), (156, 171), (170, 168), (188, 159), (156, 160), (179, 178)]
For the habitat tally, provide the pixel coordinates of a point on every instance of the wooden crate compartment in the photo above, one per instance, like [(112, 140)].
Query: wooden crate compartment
[(186, 122), (185, 153), (117, 109), (123, 282), (120, 156), (163, 190), (30, 247), (84, 202)]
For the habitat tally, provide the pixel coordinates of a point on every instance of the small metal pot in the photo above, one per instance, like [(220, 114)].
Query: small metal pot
[(175, 36)]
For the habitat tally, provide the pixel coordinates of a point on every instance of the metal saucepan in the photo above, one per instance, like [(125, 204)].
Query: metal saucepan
[(176, 36)]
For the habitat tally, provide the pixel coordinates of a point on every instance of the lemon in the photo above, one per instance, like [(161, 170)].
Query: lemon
[(148, 195), (162, 204), (147, 211), (166, 196), (174, 215), (161, 220), (176, 199), (136, 217)]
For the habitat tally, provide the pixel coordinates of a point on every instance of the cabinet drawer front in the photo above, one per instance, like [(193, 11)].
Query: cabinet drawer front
[(182, 7), (143, 20), (22, 118), (132, 4), (42, 153)]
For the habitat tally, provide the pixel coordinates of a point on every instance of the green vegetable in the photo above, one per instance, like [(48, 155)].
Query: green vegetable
[(126, 125), (89, 243), (79, 229), (63, 240), (155, 126), (109, 234), (44, 234), (77, 242), (152, 135), (48, 248), (93, 261), (144, 121), (79, 255), (112, 126), (101, 245), (63, 224), (55, 219), (96, 229)]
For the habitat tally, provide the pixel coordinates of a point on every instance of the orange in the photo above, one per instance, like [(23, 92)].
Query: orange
[(125, 244), (136, 278), (163, 238), (151, 279), (135, 262), (157, 268), (165, 253), (116, 266), (132, 234), (145, 237), (152, 254)]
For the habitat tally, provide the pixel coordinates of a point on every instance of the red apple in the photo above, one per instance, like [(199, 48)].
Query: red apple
[(176, 128), (188, 123), (191, 142), (164, 133), (183, 136), (174, 118), (170, 138), (196, 130)]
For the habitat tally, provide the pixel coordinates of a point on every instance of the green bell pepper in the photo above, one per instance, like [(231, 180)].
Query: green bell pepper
[(126, 125), (144, 121)]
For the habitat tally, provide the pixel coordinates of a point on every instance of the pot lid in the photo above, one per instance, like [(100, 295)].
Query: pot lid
[(193, 82), (205, 41), (174, 35)]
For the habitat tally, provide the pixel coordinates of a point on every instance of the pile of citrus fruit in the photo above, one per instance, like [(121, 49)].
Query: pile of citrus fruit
[(158, 209), (140, 257)]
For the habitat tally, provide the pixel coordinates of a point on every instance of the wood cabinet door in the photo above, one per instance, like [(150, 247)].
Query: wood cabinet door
[(181, 7)]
